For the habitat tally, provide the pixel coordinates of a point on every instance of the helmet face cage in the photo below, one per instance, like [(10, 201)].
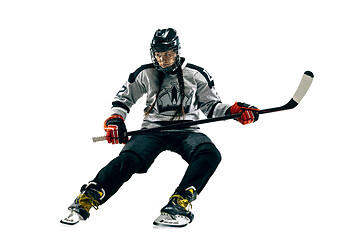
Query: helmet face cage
[(167, 69), (163, 41)]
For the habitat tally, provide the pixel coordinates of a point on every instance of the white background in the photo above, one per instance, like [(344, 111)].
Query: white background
[(291, 175)]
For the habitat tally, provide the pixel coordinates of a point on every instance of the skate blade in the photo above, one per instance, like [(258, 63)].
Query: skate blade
[(72, 219), (167, 220)]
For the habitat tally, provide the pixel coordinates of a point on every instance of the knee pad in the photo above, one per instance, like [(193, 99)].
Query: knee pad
[(128, 160), (133, 160), (207, 152)]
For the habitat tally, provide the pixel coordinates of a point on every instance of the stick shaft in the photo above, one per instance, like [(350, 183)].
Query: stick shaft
[(294, 101), (188, 124)]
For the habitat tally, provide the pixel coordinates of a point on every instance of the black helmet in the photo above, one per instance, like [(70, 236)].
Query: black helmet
[(165, 40)]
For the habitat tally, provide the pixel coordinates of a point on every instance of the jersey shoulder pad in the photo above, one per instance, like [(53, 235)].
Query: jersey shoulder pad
[(203, 72), (133, 75)]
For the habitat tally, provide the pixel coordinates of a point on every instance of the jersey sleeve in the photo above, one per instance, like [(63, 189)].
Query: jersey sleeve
[(130, 92), (208, 99)]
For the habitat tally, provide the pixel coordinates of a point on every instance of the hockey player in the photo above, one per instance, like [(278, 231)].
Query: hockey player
[(176, 92)]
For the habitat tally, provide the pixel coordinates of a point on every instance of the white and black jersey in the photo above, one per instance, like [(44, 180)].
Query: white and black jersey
[(200, 95)]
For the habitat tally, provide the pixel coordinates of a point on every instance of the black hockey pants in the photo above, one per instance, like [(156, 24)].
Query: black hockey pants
[(141, 150)]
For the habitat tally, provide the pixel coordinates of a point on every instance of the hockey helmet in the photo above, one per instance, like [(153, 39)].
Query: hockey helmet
[(165, 50)]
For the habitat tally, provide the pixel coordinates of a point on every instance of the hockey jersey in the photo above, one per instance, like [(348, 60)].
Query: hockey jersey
[(200, 95)]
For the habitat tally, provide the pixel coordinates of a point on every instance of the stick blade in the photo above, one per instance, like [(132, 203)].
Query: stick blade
[(304, 86)]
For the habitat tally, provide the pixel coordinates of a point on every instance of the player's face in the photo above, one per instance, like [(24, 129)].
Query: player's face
[(165, 59)]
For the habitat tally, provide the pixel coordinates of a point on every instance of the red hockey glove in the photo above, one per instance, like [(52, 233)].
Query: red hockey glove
[(250, 114), (115, 130)]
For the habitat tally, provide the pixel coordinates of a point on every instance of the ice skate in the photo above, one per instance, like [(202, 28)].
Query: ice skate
[(175, 213), (89, 197), (72, 219)]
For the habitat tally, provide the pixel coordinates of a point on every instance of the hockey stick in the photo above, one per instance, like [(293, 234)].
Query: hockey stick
[(294, 101)]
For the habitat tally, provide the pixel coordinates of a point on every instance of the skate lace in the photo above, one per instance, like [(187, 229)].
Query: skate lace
[(87, 201), (183, 202)]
